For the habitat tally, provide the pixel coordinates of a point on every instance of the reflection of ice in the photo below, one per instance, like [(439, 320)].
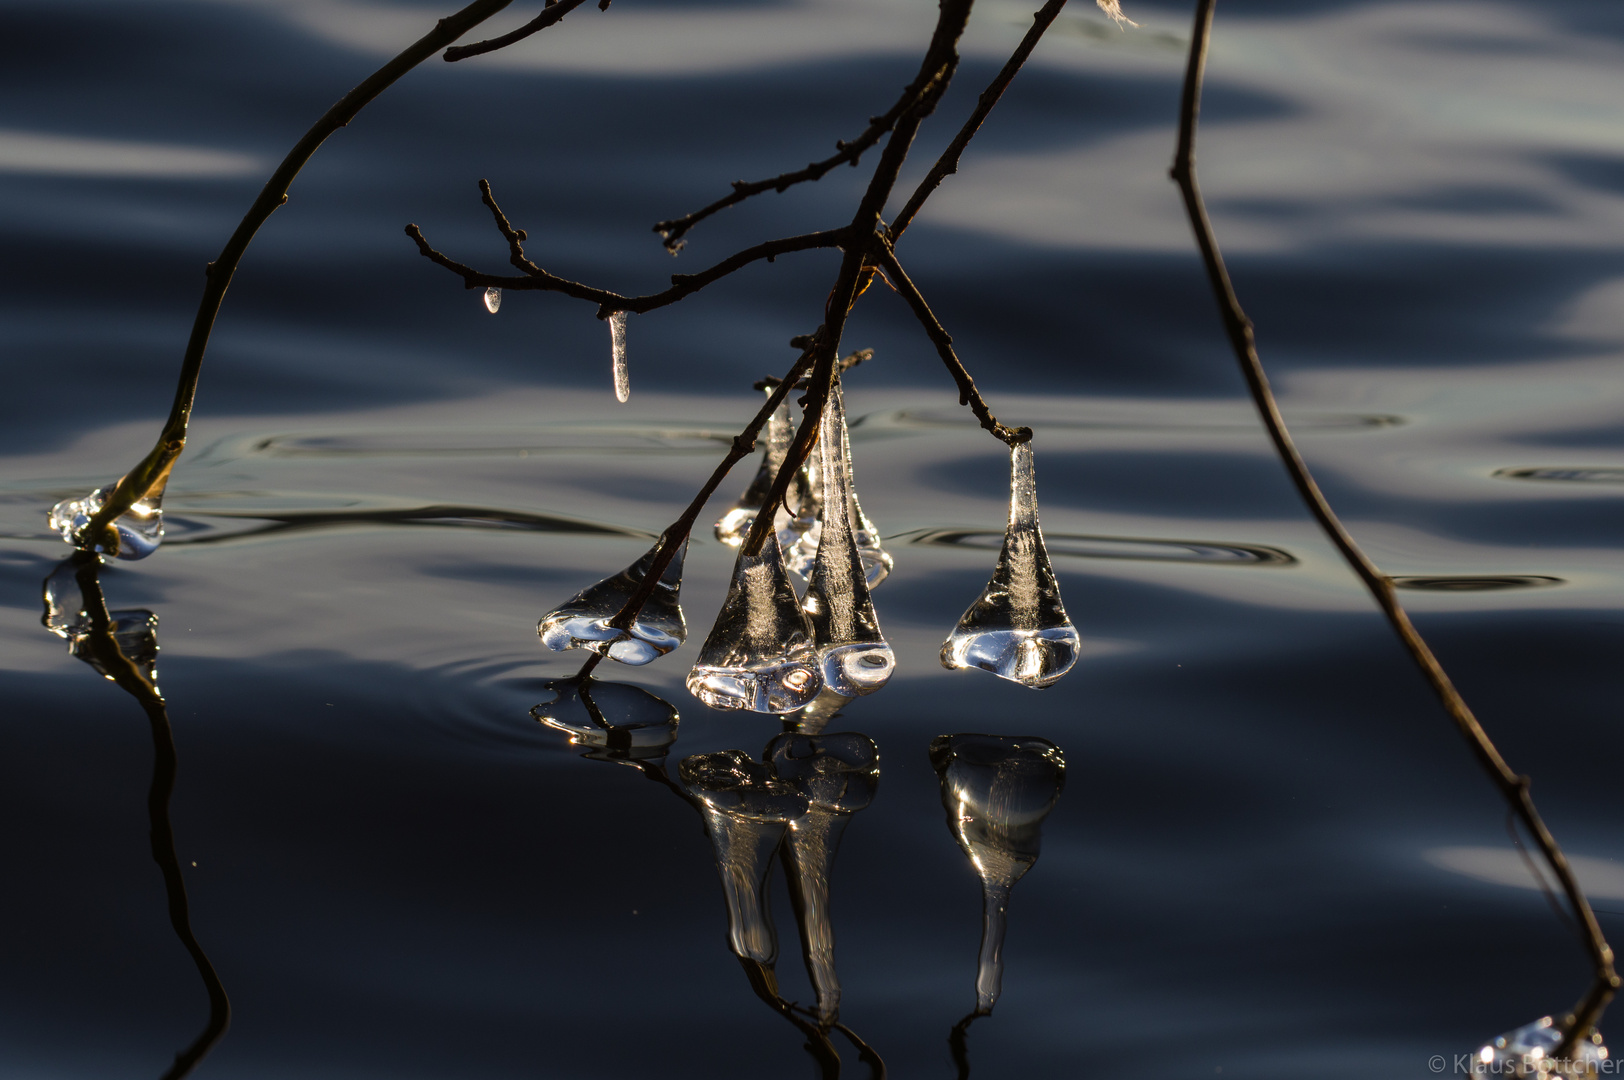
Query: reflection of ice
[(838, 775), (1017, 628), (620, 721), (1526, 1053), (997, 790), (759, 654), (747, 811), (140, 529), (583, 622), (134, 633)]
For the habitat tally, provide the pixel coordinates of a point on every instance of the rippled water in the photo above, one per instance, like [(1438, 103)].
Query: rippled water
[(1273, 857)]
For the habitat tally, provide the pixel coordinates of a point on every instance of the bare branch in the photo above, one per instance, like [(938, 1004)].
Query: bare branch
[(682, 285), (968, 394), (673, 231), (1238, 328), (549, 15), (948, 163)]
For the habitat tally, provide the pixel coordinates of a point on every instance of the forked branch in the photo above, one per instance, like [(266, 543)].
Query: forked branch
[(1238, 328), (555, 10)]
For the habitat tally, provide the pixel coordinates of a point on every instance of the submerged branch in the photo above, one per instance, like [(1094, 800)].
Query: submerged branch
[(1238, 328)]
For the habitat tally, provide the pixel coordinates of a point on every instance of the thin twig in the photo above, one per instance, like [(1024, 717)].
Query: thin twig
[(968, 394), (673, 231), (153, 470), (536, 279), (1238, 327), (948, 163), (549, 15)]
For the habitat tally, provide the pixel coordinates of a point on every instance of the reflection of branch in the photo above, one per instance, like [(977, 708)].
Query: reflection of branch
[(1238, 327), (154, 468), (958, 1044), (100, 644), (765, 984)]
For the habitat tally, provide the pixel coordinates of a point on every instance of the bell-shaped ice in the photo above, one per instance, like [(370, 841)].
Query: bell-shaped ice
[(1017, 628), (747, 811), (838, 775), (583, 623), (997, 790), (735, 524), (1527, 1052), (853, 657), (759, 654), (140, 529), (617, 721), (801, 550)]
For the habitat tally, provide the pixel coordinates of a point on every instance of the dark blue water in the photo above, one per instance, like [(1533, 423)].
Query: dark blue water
[(1273, 856)]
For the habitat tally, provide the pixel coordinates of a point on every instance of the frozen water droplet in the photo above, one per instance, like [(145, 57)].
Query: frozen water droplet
[(735, 524), (140, 529), (838, 775), (854, 657), (747, 811), (997, 790), (617, 721), (617, 356), (805, 531), (1017, 629), (759, 654), (493, 299), (583, 623), (1527, 1052)]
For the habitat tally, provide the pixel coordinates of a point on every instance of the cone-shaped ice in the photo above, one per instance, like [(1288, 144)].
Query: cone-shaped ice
[(759, 655), (140, 529), (997, 790), (838, 775), (1017, 628), (617, 357), (617, 721), (801, 552), (853, 657), (735, 524), (746, 811), (583, 623), (1527, 1052)]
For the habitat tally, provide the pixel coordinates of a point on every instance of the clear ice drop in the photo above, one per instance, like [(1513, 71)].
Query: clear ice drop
[(747, 811), (735, 524), (615, 720), (140, 529), (801, 545), (1526, 1053), (997, 790), (617, 356), (1017, 628), (759, 654), (838, 775), (853, 657), (493, 299), (583, 623)]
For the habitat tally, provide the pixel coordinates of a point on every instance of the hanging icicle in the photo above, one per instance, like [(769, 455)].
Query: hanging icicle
[(1017, 629), (759, 654), (854, 658), (997, 790), (617, 357), (493, 299), (583, 623), (801, 548)]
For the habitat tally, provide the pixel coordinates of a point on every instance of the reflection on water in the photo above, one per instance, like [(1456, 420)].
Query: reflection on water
[(123, 647)]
